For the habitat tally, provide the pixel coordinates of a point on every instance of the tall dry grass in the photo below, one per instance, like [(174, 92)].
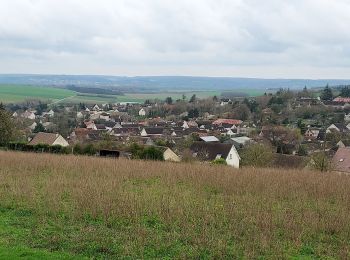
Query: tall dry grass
[(187, 209)]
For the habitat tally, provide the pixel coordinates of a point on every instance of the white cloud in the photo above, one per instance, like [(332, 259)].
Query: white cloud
[(271, 38)]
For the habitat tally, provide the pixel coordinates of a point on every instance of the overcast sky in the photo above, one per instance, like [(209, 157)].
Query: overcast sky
[(238, 38)]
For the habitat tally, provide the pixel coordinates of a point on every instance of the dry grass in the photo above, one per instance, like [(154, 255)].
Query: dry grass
[(107, 208)]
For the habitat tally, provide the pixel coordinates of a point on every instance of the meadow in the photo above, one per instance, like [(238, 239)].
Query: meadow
[(67, 207), (19, 93)]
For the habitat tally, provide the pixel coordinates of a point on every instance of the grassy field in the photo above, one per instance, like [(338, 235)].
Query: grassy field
[(74, 207), (136, 97), (17, 93)]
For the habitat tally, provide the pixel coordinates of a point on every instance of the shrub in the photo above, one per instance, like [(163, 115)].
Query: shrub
[(257, 155), (89, 149), (219, 161), (321, 162), (146, 153)]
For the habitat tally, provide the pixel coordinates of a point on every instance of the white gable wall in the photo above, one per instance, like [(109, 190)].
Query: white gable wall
[(61, 141), (233, 158)]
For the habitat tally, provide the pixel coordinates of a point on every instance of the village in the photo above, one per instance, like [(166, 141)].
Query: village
[(285, 129)]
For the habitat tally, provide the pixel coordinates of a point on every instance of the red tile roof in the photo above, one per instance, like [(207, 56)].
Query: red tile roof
[(227, 121)]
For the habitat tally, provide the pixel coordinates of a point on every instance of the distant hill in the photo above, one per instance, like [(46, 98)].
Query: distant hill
[(154, 83)]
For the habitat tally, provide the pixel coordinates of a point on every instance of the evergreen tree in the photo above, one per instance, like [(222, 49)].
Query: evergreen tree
[(169, 100), (345, 91), (193, 98), (327, 94), (39, 128)]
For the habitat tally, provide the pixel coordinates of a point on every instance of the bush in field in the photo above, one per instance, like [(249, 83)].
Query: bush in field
[(146, 153), (257, 155), (321, 162), (89, 149), (219, 161), (78, 149)]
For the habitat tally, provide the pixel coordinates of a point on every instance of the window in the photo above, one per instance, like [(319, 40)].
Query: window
[(230, 156)]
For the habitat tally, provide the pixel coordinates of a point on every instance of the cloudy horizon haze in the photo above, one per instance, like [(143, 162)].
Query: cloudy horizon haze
[(231, 38)]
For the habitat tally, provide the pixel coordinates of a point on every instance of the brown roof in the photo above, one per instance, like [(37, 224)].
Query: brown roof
[(211, 150), (154, 130), (44, 138), (341, 160)]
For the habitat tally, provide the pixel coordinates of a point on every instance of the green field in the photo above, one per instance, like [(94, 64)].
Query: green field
[(17, 93), (137, 97)]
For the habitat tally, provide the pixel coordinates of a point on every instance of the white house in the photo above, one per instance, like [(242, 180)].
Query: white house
[(142, 112), (347, 118), (185, 125), (96, 108), (28, 115), (32, 126), (51, 113), (213, 151), (80, 115)]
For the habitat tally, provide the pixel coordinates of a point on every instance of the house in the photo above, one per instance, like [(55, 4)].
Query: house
[(212, 151), (341, 160), (105, 116), (311, 134), (49, 139), (227, 122), (90, 125), (244, 130), (142, 112), (341, 128), (347, 117), (51, 113), (96, 108), (15, 114), (341, 100), (209, 139), (29, 115), (242, 141), (343, 143), (189, 124), (169, 155), (152, 131), (225, 101), (80, 115), (228, 132), (48, 125), (32, 126)]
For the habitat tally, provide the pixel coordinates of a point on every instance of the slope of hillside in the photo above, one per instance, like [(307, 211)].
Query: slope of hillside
[(91, 207)]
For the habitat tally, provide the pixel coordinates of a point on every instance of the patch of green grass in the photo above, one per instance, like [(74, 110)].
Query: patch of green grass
[(16, 227), (20, 93)]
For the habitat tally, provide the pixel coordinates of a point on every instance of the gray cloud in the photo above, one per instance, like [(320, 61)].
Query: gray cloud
[(271, 38)]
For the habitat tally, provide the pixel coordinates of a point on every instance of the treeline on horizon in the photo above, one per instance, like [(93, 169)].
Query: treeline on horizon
[(92, 90)]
